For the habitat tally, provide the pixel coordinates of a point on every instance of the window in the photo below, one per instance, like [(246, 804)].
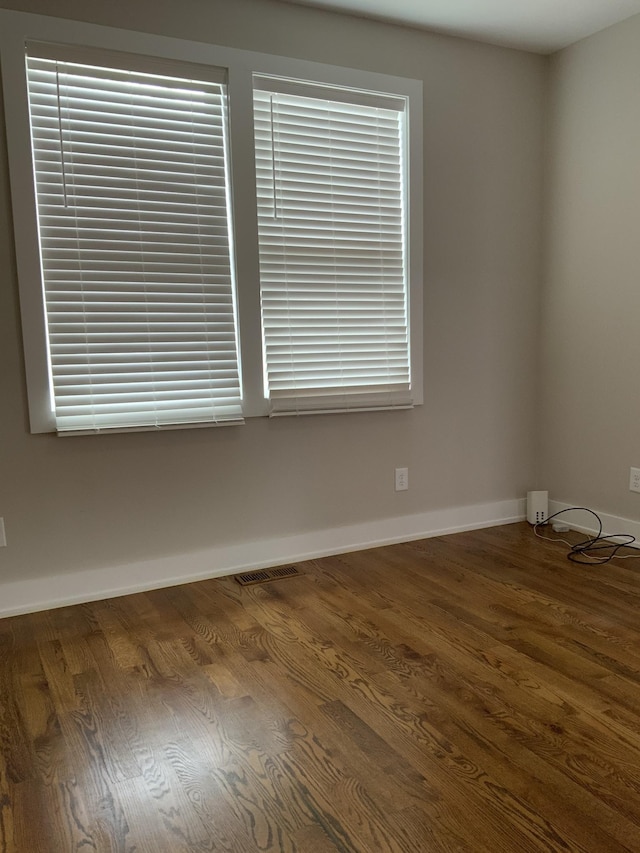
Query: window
[(205, 234), (132, 199), (330, 182)]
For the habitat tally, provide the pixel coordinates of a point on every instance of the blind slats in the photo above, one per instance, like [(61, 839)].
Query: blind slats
[(132, 203), (330, 184)]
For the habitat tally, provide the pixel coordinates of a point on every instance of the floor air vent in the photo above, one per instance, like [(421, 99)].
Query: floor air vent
[(264, 575)]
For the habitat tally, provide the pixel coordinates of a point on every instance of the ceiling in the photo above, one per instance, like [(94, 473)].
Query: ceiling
[(542, 26)]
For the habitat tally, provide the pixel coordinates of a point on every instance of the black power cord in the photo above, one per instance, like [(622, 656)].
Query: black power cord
[(588, 552)]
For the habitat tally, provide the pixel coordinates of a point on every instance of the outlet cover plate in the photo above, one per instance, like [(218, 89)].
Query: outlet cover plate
[(634, 480), (402, 479)]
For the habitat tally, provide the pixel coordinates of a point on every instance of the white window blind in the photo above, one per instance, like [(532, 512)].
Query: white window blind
[(133, 213), (331, 216)]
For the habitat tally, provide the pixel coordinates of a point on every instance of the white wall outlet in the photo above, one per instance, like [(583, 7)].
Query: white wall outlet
[(3, 538), (634, 480), (402, 479)]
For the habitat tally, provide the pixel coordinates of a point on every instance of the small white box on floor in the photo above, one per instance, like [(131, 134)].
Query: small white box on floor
[(537, 507)]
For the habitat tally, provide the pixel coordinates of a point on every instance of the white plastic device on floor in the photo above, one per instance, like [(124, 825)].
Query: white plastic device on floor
[(537, 507)]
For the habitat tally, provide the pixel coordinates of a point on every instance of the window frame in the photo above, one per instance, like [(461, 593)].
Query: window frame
[(347, 360), (19, 28), (163, 365)]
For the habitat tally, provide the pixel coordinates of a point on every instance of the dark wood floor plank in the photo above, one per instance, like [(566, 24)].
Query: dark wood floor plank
[(152, 828), (585, 586), (14, 739), (464, 714), (550, 714), (8, 809), (405, 716), (158, 798), (475, 692), (42, 725), (527, 698)]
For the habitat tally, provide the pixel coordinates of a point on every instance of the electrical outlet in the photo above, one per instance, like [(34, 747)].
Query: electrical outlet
[(3, 538), (634, 480), (402, 479)]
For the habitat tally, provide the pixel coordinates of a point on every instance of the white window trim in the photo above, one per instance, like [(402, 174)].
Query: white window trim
[(18, 28)]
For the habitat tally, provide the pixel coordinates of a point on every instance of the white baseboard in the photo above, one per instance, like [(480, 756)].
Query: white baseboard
[(586, 523), (29, 596)]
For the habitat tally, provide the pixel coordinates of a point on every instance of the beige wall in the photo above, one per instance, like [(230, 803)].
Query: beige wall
[(96, 501), (590, 422)]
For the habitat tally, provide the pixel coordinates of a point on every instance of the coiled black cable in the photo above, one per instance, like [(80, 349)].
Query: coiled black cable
[(588, 551)]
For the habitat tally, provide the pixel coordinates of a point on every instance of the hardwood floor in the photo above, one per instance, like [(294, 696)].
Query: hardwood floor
[(475, 692)]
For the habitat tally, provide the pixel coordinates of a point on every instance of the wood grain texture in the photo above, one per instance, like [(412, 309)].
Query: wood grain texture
[(475, 692)]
